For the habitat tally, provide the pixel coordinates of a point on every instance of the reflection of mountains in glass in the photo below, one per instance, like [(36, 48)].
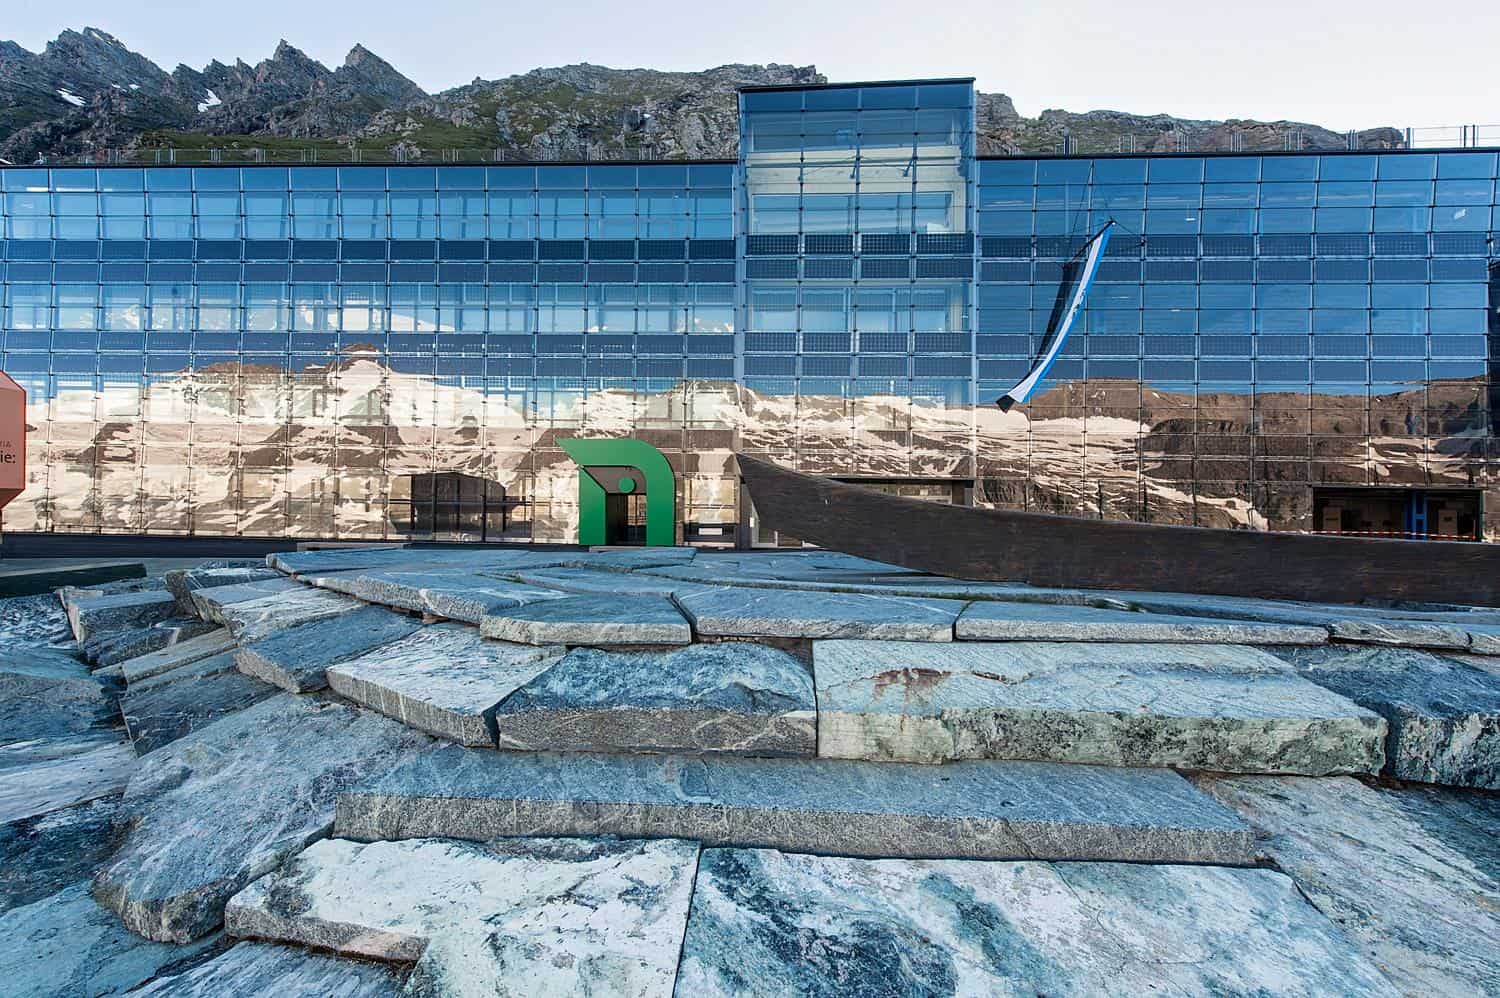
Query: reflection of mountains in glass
[(256, 451)]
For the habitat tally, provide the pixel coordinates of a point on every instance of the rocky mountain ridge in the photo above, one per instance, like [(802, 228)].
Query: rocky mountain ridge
[(88, 96)]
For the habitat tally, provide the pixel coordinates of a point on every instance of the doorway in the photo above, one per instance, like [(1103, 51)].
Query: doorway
[(1419, 514), (625, 519)]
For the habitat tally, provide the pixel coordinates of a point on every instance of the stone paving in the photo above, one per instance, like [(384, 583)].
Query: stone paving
[(445, 772), (1209, 707)]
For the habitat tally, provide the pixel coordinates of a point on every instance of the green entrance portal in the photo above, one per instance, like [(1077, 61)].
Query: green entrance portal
[(627, 493)]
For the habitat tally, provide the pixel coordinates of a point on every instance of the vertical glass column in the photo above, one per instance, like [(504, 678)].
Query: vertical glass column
[(856, 213)]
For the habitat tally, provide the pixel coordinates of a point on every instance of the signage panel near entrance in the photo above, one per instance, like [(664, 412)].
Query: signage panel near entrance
[(12, 439)]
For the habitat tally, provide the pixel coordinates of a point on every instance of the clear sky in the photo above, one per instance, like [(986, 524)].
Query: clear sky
[(1340, 63)]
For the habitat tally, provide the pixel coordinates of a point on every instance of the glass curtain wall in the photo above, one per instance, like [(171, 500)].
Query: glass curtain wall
[(300, 351), (857, 205), (1262, 325), (273, 351)]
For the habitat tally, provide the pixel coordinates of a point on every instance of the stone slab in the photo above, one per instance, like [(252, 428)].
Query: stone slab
[(455, 595), (203, 667), (469, 604), (210, 603), (90, 613), (1359, 624), (166, 712), (225, 805), (444, 679), (34, 620), (589, 581), (66, 946), (305, 563), (296, 659), (1410, 874), (337, 559), (968, 809), (630, 559), (1216, 707), (514, 917), (113, 647), (183, 582), (262, 970), (993, 620), (1444, 715), (46, 853), (591, 620), (215, 642), (733, 612), (43, 664), (48, 695), (911, 585), (775, 924), (36, 780), (257, 619), (1406, 633), (732, 697)]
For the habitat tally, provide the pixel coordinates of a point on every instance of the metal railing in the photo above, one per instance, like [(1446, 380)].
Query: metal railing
[(1171, 142)]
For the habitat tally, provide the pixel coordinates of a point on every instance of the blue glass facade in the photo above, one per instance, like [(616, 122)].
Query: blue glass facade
[(322, 351)]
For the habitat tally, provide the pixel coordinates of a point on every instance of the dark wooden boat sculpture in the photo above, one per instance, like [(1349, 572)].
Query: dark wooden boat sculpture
[(1046, 550)]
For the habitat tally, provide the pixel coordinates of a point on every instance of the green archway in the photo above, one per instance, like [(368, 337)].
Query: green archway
[(655, 478)]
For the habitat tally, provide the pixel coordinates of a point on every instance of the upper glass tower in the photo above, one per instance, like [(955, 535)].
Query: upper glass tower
[(859, 255)]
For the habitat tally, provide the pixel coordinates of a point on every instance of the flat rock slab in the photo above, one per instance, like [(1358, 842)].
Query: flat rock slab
[(47, 695), (769, 923), (735, 698), (210, 666), (34, 620), (262, 970), (1410, 874), (591, 620), (91, 613), (1359, 624), (1484, 639), (39, 779), (1444, 715), (304, 563), (43, 854), (454, 595), (225, 805), (114, 647), (66, 946), (969, 809), (514, 917), (631, 559), (164, 713), (215, 642), (1225, 708), (182, 583), (444, 679), (337, 559), (210, 603), (587, 580), (297, 658), (732, 612), (40, 662), (992, 620), (254, 620)]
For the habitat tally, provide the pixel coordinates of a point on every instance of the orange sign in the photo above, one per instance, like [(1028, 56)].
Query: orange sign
[(12, 439)]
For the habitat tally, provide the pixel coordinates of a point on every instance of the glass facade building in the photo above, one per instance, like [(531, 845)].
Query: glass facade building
[(1274, 341)]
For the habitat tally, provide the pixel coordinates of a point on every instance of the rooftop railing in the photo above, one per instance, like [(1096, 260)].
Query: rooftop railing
[(1215, 140)]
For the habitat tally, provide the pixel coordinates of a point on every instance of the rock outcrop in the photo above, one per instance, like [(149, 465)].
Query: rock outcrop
[(87, 93)]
